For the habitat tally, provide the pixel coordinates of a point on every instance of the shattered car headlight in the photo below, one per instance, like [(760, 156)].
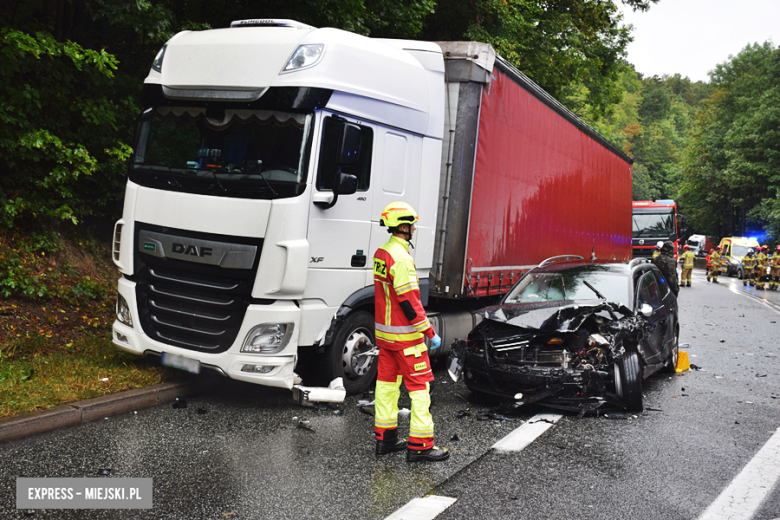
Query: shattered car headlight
[(268, 338)]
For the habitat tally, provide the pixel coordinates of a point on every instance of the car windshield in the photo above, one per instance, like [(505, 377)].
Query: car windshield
[(579, 283), (652, 224), (232, 152)]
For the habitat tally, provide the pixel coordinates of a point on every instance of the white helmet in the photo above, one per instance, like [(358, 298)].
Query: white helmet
[(659, 245)]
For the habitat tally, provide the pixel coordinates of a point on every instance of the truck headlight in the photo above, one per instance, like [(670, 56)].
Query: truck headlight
[(305, 56), (123, 311), (268, 338)]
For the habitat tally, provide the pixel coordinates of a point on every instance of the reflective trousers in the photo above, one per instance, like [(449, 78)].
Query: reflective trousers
[(413, 367), (685, 277), (747, 276)]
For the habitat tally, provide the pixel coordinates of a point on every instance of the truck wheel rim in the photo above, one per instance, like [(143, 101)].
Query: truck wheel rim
[(353, 358)]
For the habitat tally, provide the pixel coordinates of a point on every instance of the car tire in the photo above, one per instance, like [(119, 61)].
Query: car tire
[(739, 274), (671, 361), (628, 381), (346, 356)]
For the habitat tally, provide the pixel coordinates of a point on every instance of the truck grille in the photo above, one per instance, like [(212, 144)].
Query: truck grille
[(191, 305)]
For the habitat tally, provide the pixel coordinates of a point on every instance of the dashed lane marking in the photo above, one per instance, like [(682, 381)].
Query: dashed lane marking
[(527, 433), (426, 508), (742, 498)]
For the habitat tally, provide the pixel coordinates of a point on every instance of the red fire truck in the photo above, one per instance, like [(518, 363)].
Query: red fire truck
[(653, 222)]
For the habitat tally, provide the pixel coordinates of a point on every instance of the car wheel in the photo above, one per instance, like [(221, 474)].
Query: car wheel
[(628, 381), (353, 354), (739, 274), (671, 362)]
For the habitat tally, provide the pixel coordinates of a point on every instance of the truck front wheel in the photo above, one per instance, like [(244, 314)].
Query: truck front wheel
[(353, 353)]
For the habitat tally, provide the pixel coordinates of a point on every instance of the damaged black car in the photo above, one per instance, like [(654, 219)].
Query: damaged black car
[(574, 335)]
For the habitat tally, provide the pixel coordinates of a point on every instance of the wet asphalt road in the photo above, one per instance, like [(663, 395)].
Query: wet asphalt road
[(237, 452)]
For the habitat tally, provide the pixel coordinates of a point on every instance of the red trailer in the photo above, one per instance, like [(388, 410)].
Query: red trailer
[(529, 180)]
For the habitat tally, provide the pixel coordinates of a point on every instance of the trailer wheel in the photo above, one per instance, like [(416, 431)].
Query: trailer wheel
[(628, 381), (353, 353)]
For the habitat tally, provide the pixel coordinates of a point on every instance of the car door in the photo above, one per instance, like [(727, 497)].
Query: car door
[(648, 292)]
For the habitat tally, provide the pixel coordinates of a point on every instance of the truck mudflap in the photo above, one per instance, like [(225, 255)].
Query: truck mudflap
[(308, 395)]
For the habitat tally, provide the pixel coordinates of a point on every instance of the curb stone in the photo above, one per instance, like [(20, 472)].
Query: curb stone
[(71, 414)]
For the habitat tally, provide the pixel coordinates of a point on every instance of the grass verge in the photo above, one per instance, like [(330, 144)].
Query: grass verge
[(90, 367)]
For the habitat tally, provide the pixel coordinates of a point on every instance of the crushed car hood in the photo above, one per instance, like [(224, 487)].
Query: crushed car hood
[(554, 316)]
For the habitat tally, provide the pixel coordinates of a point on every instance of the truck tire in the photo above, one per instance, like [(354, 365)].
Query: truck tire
[(628, 381), (353, 355)]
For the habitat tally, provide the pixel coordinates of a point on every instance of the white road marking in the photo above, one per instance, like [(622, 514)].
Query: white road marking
[(742, 498), (527, 433), (426, 508)]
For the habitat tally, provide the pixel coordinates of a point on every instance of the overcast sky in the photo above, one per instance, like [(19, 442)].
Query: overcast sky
[(690, 37)]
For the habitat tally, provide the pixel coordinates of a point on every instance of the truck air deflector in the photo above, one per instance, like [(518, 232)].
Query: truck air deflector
[(190, 299), (216, 95), (305, 99)]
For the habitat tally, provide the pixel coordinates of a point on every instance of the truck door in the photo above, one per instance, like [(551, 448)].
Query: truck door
[(396, 179), (339, 236)]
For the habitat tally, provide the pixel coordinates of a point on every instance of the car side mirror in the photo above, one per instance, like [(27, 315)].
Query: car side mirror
[(646, 310)]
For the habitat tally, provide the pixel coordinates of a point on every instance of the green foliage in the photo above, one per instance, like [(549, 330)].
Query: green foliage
[(572, 48), (58, 127), (730, 170)]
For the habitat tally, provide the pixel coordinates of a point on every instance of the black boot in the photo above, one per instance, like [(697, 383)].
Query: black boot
[(431, 455), (390, 444)]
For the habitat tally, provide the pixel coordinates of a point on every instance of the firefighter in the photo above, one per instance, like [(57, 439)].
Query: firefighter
[(715, 260), (401, 328), (709, 262), (748, 269), (774, 274), (762, 262), (668, 267), (657, 251), (687, 260)]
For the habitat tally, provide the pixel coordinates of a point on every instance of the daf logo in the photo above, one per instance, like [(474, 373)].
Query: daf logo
[(641, 242), (190, 250)]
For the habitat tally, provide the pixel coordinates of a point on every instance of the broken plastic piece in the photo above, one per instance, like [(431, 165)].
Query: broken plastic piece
[(455, 437), (460, 414), (307, 395), (338, 412), (179, 403), (201, 411), (616, 416), (104, 471), (305, 425)]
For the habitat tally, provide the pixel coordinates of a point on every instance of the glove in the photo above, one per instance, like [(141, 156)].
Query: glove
[(435, 341)]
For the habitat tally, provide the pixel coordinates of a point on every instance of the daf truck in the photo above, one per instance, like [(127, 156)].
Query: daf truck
[(262, 161)]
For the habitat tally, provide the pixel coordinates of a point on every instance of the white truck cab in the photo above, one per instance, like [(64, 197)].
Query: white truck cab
[(262, 162)]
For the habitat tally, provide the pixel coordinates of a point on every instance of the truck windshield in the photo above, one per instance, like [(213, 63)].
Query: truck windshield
[(653, 224), (231, 153)]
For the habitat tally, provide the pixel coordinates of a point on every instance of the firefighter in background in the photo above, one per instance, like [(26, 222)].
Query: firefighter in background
[(401, 328), (686, 259), (668, 266), (774, 273), (716, 260), (658, 247), (762, 262), (709, 262), (748, 269)]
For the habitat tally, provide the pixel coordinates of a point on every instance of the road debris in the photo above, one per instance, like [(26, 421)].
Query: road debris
[(179, 403), (104, 471)]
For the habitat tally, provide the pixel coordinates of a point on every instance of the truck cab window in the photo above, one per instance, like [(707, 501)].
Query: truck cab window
[(328, 165)]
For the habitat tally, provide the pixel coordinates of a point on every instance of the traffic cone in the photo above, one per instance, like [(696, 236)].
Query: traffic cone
[(682, 362)]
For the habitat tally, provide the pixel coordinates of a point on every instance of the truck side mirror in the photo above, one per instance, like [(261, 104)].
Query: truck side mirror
[(349, 144), (347, 184), (344, 184)]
